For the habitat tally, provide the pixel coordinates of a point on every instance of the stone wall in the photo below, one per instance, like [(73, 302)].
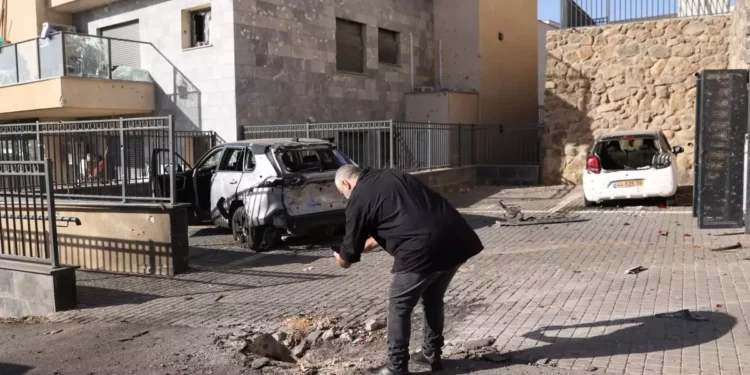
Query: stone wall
[(632, 76), (286, 60)]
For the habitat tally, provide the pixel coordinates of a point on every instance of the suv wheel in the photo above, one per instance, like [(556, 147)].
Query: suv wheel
[(258, 239), (671, 201)]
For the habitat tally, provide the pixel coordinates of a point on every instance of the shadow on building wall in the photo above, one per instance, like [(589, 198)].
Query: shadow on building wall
[(568, 135)]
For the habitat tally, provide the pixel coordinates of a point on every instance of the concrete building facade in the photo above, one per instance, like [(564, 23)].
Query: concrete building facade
[(220, 65)]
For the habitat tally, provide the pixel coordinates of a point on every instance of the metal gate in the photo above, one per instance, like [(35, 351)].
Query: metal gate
[(28, 226), (721, 128)]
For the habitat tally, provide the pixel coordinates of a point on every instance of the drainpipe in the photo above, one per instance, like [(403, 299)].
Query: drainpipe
[(440, 64), (411, 58)]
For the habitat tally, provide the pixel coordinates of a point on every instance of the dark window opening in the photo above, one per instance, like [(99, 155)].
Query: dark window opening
[(628, 153), (298, 161), (388, 47), (350, 47), (200, 29)]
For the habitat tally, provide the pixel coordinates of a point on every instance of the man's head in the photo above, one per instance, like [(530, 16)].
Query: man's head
[(346, 179)]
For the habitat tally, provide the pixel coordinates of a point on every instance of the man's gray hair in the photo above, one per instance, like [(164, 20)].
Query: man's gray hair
[(348, 172)]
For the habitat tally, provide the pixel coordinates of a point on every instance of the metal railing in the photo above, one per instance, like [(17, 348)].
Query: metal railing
[(120, 160), (581, 13), (65, 54), (412, 146), (28, 226)]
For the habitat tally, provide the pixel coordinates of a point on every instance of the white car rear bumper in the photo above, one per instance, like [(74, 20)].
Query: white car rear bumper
[(657, 183)]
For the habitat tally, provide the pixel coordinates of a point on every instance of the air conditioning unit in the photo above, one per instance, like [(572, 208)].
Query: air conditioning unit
[(58, 27)]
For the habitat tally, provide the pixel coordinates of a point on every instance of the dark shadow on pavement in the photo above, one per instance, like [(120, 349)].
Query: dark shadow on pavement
[(638, 336), (13, 369), (99, 297), (479, 221)]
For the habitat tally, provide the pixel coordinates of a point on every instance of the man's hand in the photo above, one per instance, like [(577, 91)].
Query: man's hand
[(342, 263), (370, 245)]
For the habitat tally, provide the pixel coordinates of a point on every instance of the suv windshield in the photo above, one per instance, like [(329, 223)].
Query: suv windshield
[(302, 160), (629, 152)]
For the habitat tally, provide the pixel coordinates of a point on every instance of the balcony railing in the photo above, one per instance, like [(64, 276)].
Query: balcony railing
[(581, 13), (66, 54)]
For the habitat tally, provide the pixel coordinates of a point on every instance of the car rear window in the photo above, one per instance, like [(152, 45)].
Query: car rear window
[(302, 160), (629, 152)]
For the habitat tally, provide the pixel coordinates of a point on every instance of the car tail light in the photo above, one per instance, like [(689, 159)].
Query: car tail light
[(593, 164)]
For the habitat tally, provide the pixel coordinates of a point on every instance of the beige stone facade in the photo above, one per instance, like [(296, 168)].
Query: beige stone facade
[(629, 76)]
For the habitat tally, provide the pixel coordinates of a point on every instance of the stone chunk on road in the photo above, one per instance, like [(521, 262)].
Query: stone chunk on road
[(300, 349), (266, 346), (374, 325)]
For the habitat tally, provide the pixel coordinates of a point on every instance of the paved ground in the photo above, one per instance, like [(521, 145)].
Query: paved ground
[(557, 291)]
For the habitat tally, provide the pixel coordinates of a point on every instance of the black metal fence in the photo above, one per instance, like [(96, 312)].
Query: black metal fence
[(413, 146), (581, 13), (107, 160), (28, 226)]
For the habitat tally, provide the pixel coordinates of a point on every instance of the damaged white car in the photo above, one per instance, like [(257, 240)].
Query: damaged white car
[(630, 165), (264, 189)]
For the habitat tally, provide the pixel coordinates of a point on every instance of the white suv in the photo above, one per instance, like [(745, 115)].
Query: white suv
[(630, 165)]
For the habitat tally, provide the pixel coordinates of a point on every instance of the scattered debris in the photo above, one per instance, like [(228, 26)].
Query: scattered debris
[(25, 320), (663, 234), (346, 336), (635, 270), (512, 211), (478, 344), (328, 335), (280, 336), (687, 235), (719, 305), (727, 248), (219, 298), (374, 325), (626, 224), (188, 298), (266, 346), (300, 349), (307, 269), (313, 336), (542, 362), (726, 234), (682, 314), (592, 369), (54, 332), (495, 357), (131, 338), (260, 363)]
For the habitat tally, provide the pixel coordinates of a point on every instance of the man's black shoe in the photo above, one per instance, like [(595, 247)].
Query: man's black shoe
[(434, 361), (385, 370)]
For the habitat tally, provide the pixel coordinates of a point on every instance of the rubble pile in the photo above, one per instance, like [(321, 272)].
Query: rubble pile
[(286, 348)]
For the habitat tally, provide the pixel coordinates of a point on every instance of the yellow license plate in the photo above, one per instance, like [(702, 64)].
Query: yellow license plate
[(628, 184)]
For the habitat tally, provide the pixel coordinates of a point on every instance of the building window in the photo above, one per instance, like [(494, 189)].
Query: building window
[(196, 27), (350, 46), (388, 47)]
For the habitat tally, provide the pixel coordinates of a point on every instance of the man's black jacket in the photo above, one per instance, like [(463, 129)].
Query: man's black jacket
[(416, 225)]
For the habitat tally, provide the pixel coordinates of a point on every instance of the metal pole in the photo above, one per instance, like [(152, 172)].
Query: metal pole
[(109, 57), (18, 71), (460, 155), (172, 187), (38, 60), (64, 73), (122, 161), (38, 143), (392, 134), (429, 145), (440, 64), (51, 222), (307, 129)]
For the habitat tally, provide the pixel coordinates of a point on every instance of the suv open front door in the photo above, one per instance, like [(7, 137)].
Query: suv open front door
[(160, 176)]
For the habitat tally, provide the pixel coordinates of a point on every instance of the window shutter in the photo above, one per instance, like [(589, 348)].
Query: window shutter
[(388, 46), (124, 53), (350, 49)]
